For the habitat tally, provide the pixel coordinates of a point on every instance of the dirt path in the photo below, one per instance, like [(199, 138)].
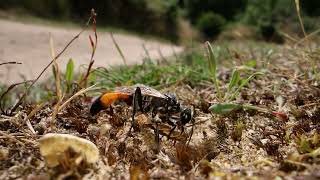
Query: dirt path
[(29, 44)]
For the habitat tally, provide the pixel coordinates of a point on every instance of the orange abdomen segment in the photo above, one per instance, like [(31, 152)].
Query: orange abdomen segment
[(108, 98)]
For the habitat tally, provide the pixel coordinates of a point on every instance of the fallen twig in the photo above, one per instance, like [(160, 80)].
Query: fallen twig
[(30, 115), (76, 95), (10, 62), (11, 138), (7, 91)]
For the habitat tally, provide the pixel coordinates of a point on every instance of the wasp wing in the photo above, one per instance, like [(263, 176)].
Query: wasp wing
[(145, 90), (149, 91), (125, 89)]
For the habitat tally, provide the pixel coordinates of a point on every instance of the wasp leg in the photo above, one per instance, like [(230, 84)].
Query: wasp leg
[(138, 98), (137, 102), (157, 138), (110, 111), (193, 123), (190, 134), (181, 130), (171, 131)]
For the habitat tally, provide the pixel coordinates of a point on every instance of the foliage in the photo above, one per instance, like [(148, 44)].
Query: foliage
[(152, 17), (161, 17), (210, 24), (253, 14), (227, 8), (267, 15), (236, 82), (235, 85), (311, 7), (265, 22), (154, 75), (48, 8), (210, 16)]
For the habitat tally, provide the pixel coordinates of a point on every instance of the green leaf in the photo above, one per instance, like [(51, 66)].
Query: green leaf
[(243, 83), (314, 153), (211, 59), (234, 80), (69, 71), (225, 108), (251, 63), (213, 67), (92, 77), (304, 145)]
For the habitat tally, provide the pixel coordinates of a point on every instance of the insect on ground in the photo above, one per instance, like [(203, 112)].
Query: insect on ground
[(146, 99)]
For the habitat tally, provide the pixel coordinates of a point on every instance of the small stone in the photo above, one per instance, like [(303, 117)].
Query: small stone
[(4, 153), (105, 128), (264, 141), (53, 145)]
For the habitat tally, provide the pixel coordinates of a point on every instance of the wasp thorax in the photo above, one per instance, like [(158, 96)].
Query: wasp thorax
[(173, 104)]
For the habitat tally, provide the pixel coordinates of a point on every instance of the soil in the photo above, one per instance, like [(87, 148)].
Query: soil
[(29, 44), (282, 142)]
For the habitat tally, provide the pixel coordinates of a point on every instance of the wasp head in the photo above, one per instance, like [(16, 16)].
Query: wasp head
[(185, 115), (173, 104)]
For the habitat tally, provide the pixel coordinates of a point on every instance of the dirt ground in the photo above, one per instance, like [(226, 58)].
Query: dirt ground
[(29, 44), (244, 144)]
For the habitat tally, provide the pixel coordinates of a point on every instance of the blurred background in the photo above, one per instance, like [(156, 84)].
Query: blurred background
[(182, 20), (26, 26)]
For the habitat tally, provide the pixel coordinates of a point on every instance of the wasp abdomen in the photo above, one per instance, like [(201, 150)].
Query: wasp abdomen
[(109, 98), (106, 100)]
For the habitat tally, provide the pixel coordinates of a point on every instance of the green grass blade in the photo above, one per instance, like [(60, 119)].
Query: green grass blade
[(251, 63), (69, 71), (245, 82), (92, 77), (234, 80), (54, 72), (213, 68), (211, 60)]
